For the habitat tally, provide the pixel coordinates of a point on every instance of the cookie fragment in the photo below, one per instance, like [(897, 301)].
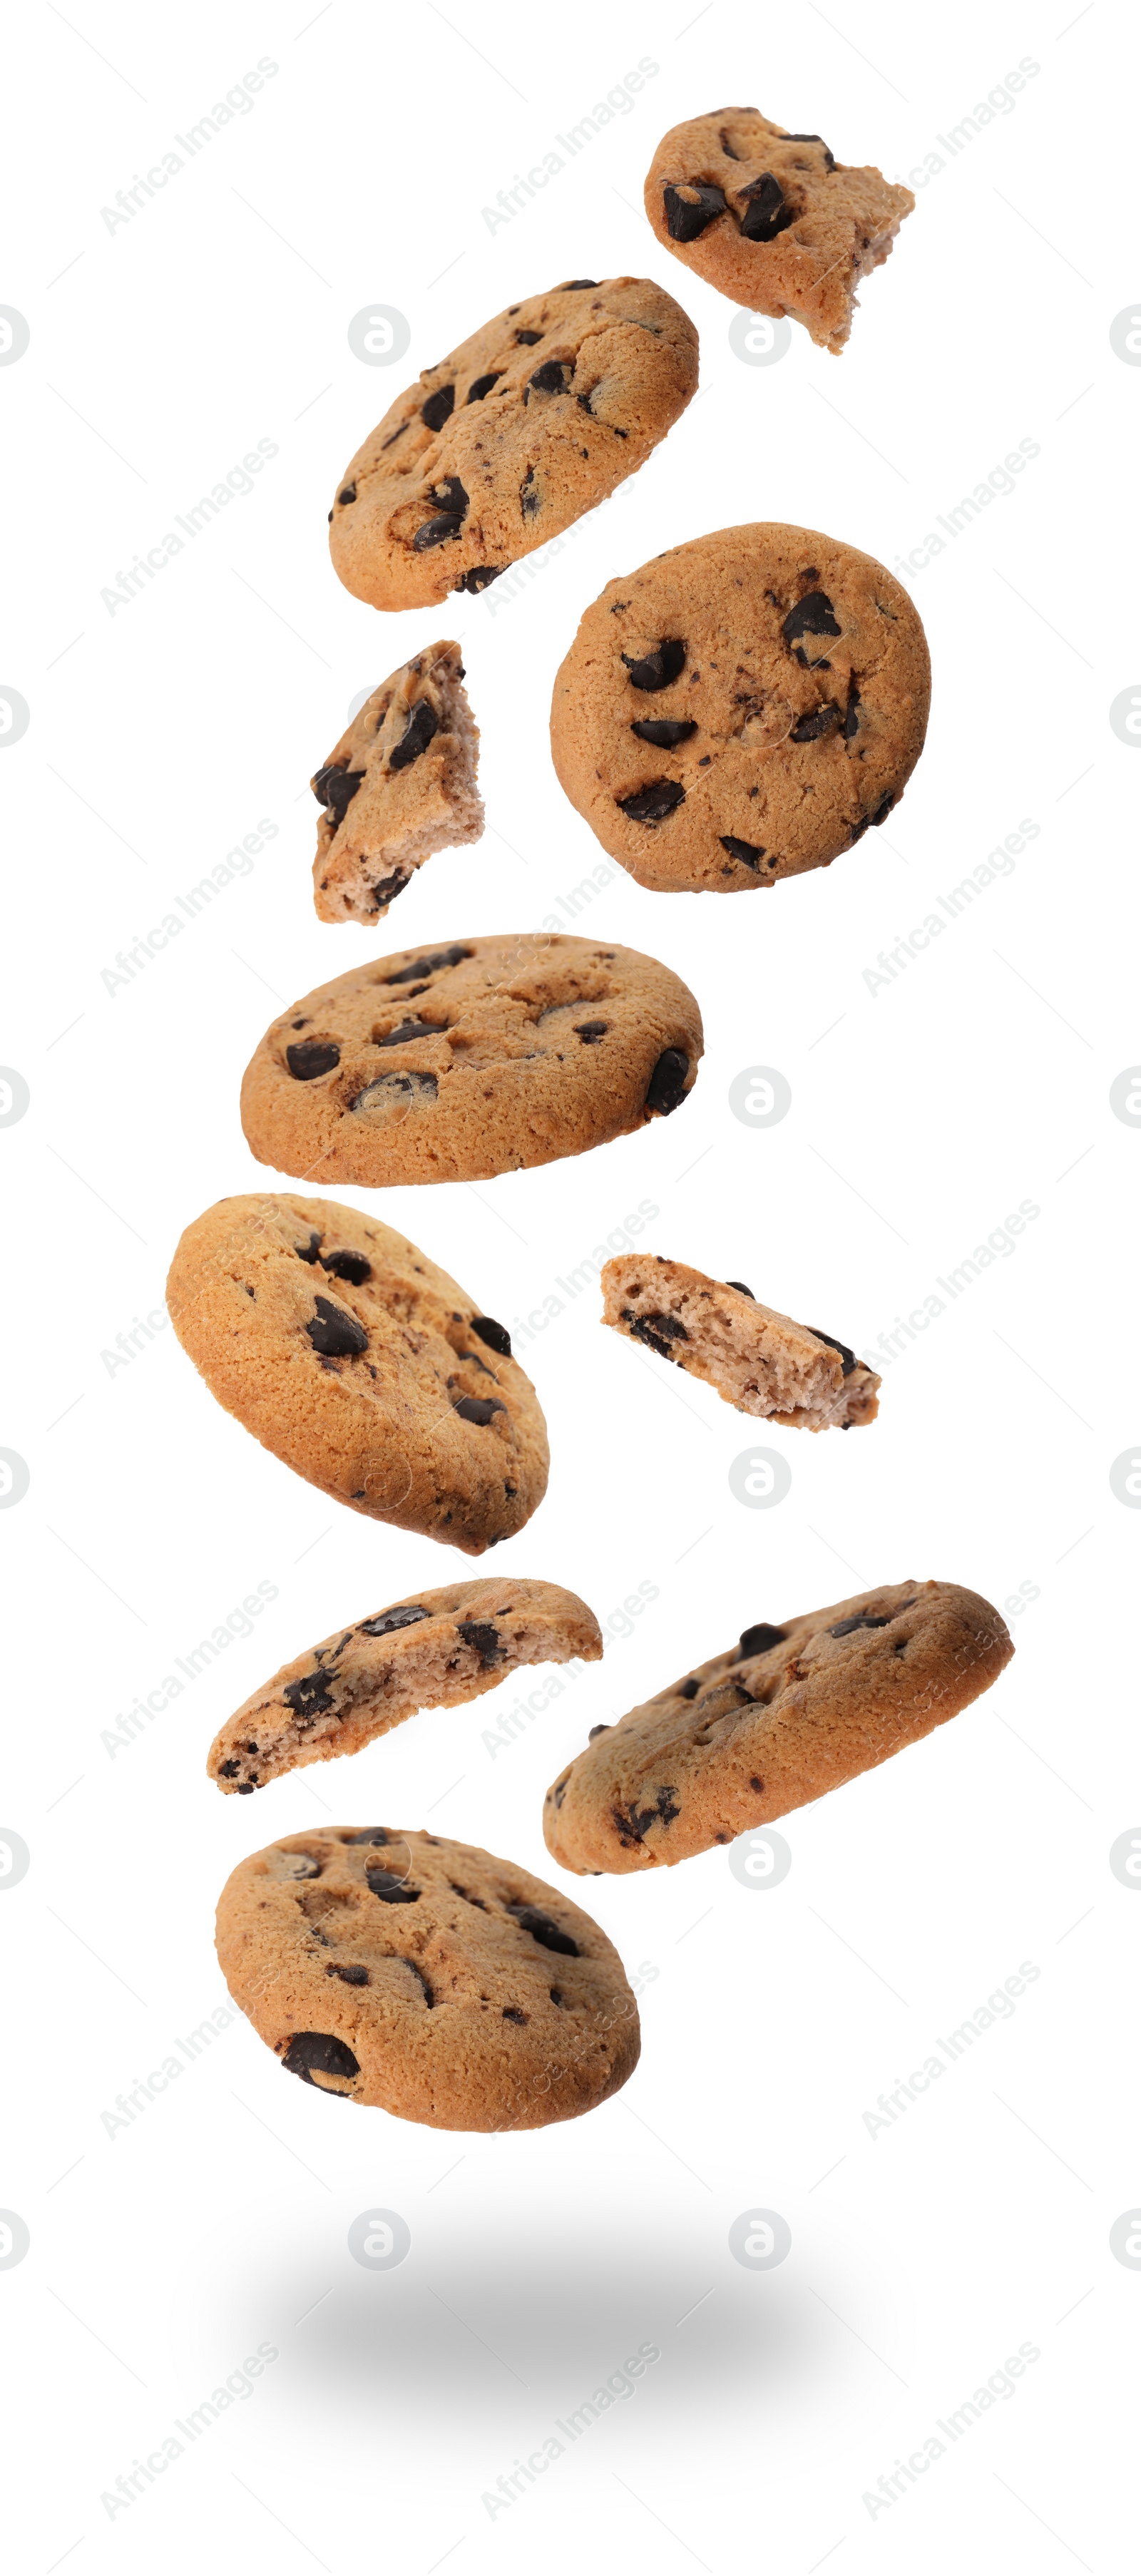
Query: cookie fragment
[(757, 1359), (400, 784), (780, 1718)]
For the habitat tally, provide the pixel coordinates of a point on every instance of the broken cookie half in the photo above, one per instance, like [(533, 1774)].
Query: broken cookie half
[(433, 1650), (759, 1361), (399, 784)]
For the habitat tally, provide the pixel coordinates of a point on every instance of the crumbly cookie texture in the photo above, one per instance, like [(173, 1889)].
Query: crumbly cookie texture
[(426, 1978), (452, 1064), (771, 219), (741, 708), (362, 1365), (512, 436), (399, 784), (432, 1650), (785, 1715), (757, 1359)]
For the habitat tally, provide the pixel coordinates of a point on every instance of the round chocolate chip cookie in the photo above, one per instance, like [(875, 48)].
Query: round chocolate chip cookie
[(452, 1064), (426, 1978), (786, 1714), (758, 1360), (433, 1650), (741, 709), (362, 1365), (530, 422), (772, 219)]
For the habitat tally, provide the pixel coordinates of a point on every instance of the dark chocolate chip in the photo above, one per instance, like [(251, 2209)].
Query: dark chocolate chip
[(369, 1834), (433, 965), (848, 1357), (688, 216), (665, 731), (750, 853), (423, 724), (495, 1335), (766, 212), (390, 1087), (349, 1266), (336, 1334), (651, 804), (756, 1641), (511, 2012), (477, 1408), (742, 1291), (310, 1696), (479, 577), (810, 728), (449, 495), (553, 377), (656, 670), (308, 1251), (574, 285), (391, 1891), (336, 787), (657, 1331), (409, 1030), (604, 1729), (318, 2048), (758, 1785), (882, 811), (349, 494), (528, 339), (349, 1976), (812, 615), (847, 1627), (485, 1638), (852, 715), (312, 1057), (438, 408), (590, 1031), (667, 1083), (228, 1770), (386, 889), (689, 1689), (542, 1928), (633, 1822), (481, 385), (829, 157), (433, 532), (387, 1622), (421, 1979)]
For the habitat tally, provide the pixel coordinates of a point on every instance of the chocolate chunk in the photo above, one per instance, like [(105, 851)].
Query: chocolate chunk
[(308, 1251), (481, 385), (391, 1088), (852, 715), (848, 1357), (310, 1696), (665, 731), (810, 728), (667, 1083), (651, 804), (633, 1822), (604, 1729), (369, 1834), (410, 1030), (847, 1627), (485, 1638), (423, 724), (438, 408), (336, 1334), (812, 615), (387, 1622), (657, 1331), (349, 494), (433, 965), (829, 157), (386, 889), (449, 494), (742, 1291), (391, 1891), (766, 211), (553, 377), (336, 787), (309, 2049), (228, 1770), (495, 1335), (479, 577), (449, 519), (312, 1057), (350, 1266), (656, 670), (349, 1976), (528, 496), (590, 1031), (420, 1977), (689, 1689), (756, 1641), (882, 811), (511, 2012), (528, 339), (531, 1918), (750, 853), (477, 1408), (688, 216), (575, 284)]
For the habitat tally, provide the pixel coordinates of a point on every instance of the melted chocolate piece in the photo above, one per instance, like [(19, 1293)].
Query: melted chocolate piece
[(756, 1641), (349, 494), (481, 386), (387, 1622), (847, 1627), (409, 1031), (353, 1976), (423, 724), (349, 1266), (485, 1638), (477, 1408), (665, 732), (766, 212), (848, 1357), (542, 1928), (333, 1332), (750, 853), (312, 1057), (656, 670), (335, 788), (391, 1891), (742, 1291), (479, 576), (309, 2049), (310, 1696), (433, 965), (667, 1083), (438, 408), (810, 728), (653, 803), (633, 1822), (812, 615), (686, 219), (656, 1331), (495, 1335)]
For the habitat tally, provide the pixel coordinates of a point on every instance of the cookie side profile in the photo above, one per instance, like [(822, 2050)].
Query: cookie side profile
[(758, 1360), (361, 1365), (772, 219), (785, 1715), (534, 419), (426, 1978), (741, 709), (432, 1650), (453, 1064), (400, 784)]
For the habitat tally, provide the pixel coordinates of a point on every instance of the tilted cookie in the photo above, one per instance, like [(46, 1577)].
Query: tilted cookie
[(741, 708), (758, 1360), (433, 1650), (359, 1362), (453, 1064), (398, 785), (785, 1715), (530, 422), (771, 219), (426, 1978)]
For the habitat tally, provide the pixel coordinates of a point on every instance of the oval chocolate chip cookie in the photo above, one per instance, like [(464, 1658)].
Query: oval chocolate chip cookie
[(741, 709), (757, 1359), (399, 784), (426, 1978), (452, 1064), (786, 1714), (433, 1650), (362, 1365), (530, 422), (772, 219)]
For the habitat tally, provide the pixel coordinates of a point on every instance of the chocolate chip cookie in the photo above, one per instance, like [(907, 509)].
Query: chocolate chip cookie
[(741, 709), (786, 1714), (432, 1650), (452, 1064), (758, 1360), (530, 422), (426, 1978), (771, 219), (398, 785), (355, 1359)]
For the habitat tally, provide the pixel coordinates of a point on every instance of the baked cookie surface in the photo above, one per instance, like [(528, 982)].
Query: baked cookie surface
[(399, 784), (362, 1365), (785, 1715), (772, 219), (758, 1360), (453, 1064), (426, 1978), (431, 1650), (741, 708), (527, 424)]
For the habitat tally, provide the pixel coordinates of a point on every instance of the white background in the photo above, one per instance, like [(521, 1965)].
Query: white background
[(922, 2255)]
